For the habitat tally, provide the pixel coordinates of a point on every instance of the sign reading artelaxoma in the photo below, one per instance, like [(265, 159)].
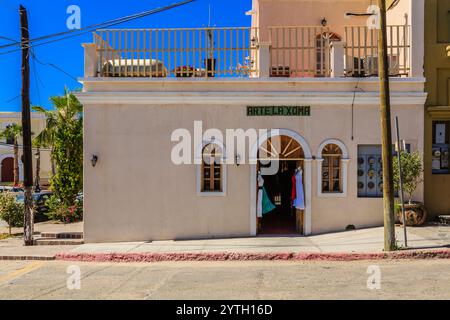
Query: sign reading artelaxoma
[(282, 111)]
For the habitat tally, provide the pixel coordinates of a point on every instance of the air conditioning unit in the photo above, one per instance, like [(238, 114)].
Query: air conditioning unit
[(354, 66), (371, 64)]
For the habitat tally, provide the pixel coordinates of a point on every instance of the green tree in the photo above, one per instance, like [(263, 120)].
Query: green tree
[(68, 148), (10, 210), (45, 139), (64, 135), (14, 132), (411, 173)]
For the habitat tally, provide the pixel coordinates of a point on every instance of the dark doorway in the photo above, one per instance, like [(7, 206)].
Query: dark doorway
[(288, 154), (281, 220), (8, 170)]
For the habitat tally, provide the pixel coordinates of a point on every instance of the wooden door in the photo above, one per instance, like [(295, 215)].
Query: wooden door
[(8, 170)]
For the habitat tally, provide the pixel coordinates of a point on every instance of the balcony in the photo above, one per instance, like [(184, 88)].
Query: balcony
[(290, 52)]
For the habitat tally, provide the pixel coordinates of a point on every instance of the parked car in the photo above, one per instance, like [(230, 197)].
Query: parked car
[(40, 200), (10, 189)]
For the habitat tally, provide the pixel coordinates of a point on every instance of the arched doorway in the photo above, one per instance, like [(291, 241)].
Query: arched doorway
[(323, 52), (280, 158), (290, 151), (7, 170)]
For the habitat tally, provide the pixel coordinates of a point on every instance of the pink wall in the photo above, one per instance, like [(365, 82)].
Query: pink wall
[(307, 13)]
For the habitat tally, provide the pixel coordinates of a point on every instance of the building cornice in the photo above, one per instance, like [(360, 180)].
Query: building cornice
[(439, 112), (219, 80), (248, 98)]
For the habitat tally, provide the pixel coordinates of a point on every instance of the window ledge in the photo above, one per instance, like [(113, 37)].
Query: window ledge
[(332, 195), (211, 194)]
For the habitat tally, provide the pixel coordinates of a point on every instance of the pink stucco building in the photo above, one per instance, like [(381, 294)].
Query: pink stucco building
[(305, 70)]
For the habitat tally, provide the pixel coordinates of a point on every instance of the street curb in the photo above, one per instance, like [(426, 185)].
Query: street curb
[(235, 256), (27, 258)]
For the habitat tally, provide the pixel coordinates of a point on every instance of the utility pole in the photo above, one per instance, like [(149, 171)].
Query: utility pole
[(28, 227), (386, 132)]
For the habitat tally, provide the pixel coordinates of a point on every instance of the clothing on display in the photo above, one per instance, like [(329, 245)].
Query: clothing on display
[(299, 201), (264, 204)]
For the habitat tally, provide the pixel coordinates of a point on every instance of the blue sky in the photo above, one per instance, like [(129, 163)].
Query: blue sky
[(49, 16)]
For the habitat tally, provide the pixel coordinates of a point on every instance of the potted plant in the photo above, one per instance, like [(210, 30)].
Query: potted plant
[(184, 72), (412, 169), (210, 62)]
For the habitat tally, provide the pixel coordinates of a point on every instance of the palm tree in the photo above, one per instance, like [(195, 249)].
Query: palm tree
[(46, 137), (66, 107), (14, 132)]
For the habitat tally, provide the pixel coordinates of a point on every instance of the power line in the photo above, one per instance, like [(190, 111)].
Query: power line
[(78, 32), (33, 55), (12, 99), (9, 39), (36, 80)]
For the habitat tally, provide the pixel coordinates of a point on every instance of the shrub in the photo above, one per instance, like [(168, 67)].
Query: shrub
[(10, 210), (59, 211), (411, 173)]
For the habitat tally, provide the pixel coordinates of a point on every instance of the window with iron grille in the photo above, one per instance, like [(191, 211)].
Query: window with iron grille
[(211, 172), (332, 169)]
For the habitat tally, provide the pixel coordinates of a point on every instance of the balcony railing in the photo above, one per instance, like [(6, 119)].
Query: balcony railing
[(300, 51), (361, 51), (307, 51), (206, 52), (290, 51)]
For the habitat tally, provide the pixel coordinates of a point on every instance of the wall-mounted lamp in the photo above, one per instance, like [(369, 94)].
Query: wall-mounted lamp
[(238, 160), (94, 160), (324, 22)]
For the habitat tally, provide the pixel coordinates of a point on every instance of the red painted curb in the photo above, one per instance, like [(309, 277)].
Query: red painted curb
[(234, 256), (27, 258)]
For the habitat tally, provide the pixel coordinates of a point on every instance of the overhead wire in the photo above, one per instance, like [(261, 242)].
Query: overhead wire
[(77, 32)]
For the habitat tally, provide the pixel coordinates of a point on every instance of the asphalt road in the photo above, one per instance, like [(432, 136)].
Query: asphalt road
[(226, 280)]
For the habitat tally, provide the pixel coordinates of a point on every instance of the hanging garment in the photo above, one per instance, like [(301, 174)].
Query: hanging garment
[(264, 204), (267, 205), (260, 196), (299, 202), (294, 190)]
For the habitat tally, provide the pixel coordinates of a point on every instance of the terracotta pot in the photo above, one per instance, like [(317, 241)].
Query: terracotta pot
[(415, 213)]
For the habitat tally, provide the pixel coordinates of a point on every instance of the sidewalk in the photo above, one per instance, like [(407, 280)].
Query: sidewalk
[(13, 248), (49, 226), (358, 241), (424, 242), (351, 245)]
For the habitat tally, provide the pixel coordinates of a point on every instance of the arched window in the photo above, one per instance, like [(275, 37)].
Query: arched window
[(332, 169), (212, 168)]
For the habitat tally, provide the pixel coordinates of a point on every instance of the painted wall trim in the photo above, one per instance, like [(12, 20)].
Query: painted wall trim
[(243, 98)]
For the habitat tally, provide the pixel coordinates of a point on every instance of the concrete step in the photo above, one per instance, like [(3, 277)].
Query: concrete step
[(57, 242), (62, 235)]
